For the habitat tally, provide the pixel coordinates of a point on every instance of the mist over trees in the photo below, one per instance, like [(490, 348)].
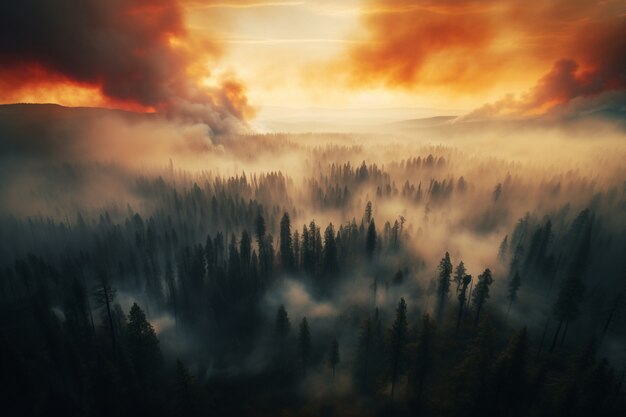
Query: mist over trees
[(431, 284)]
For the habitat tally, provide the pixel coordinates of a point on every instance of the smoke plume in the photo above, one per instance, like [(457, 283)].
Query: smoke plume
[(573, 49), (134, 54)]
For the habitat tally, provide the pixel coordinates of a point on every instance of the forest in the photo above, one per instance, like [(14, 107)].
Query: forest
[(315, 274)]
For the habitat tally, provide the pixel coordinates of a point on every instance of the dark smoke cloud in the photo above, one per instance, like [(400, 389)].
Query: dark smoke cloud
[(134, 51)]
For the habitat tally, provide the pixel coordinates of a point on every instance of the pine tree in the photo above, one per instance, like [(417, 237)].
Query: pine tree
[(286, 245), (462, 299), (104, 295), (514, 285), (367, 216), (398, 336), (459, 275), (245, 252), (260, 229), (481, 293), (330, 263), (443, 284), (304, 343), (283, 326), (297, 255), (142, 343), (503, 249), (370, 240)]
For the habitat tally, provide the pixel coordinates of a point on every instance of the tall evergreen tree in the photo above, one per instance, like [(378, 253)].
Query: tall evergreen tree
[(142, 343), (514, 285), (503, 249), (286, 245), (459, 275), (104, 295), (443, 284), (398, 336), (282, 327), (297, 255), (367, 216), (481, 293), (370, 240), (304, 343), (330, 263), (245, 253), (462, 300)]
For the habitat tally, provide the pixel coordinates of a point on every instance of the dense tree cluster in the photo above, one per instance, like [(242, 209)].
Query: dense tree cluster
[(174, 307)]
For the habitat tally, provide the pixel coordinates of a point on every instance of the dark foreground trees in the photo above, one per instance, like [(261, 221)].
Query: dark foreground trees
[(142, 344), (443, 284), (481, 293), (304, 344), (398, 336), (205, 262)]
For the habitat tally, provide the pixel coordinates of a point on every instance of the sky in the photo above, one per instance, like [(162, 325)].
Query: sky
[(483, 57)]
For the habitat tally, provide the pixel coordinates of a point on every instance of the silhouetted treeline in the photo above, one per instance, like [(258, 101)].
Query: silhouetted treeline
[(224, 295)]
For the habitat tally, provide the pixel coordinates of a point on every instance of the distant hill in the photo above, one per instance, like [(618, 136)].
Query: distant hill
[(34, 128), (422, 122)]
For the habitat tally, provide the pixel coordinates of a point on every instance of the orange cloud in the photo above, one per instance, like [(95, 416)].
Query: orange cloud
[(134, 54), (466, 46)]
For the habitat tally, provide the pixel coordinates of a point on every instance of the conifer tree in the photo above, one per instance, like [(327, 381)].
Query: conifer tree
[(398, 336), (282, 327), (481, 293), (443, 284), (459, 274), (142, 343), (286, 245), (370, 240), (304, 343), (514, 285), (462, 299)]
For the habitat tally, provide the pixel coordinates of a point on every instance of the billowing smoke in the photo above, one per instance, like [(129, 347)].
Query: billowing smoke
[(598, 90), (566, 50), (134, 54)]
